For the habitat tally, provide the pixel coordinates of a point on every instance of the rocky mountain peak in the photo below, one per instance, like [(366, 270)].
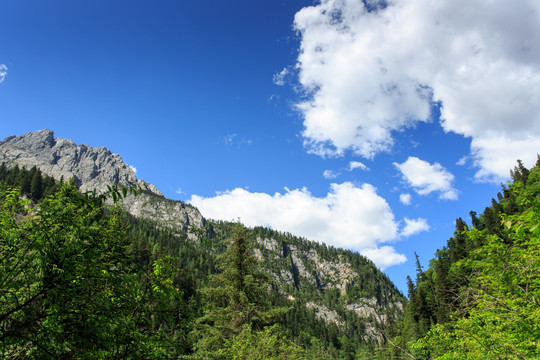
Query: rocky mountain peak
[(36, 140), (92, 168)]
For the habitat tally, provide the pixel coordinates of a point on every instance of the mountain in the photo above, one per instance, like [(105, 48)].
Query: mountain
[(90, 167), (335, 294), (94, 168)]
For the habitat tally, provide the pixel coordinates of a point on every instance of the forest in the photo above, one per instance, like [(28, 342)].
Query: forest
[(82, 279), (479, 296)]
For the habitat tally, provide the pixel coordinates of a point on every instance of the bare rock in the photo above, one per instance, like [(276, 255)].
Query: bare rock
[(94, 169)]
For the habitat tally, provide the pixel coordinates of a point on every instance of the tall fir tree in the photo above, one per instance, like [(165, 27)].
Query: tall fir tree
[(237, 300)]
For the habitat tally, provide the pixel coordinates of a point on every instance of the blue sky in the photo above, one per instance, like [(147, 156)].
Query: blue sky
[(367, 126)]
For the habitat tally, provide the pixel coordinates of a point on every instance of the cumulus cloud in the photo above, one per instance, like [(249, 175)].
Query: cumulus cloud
[(405, 199), (133, 168), (384, 256), (357, 165), (3, 72), (413, 227), (426, 178), (369, 72), (349, 216), (495, 155)]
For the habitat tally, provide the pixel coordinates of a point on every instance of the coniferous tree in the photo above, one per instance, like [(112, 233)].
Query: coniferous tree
[(488, 280), (36, 185), (3, 171), (491, 220), (457, 245), (237, 300), (520, 173), (500, 317)]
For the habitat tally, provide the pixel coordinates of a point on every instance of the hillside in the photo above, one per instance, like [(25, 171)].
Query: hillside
[(478, 298), (338, 301)]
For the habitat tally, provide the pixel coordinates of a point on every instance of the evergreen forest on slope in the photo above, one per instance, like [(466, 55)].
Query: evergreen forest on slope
[(82, 279)]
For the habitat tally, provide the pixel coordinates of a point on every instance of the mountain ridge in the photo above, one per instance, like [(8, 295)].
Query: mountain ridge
[(93, 169), (335, 285)]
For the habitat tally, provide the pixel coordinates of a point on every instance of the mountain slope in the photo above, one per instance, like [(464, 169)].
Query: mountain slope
[(338, 292), (477, 299)]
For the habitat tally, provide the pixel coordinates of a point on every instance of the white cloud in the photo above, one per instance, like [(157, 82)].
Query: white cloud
[(357, 165), (405, 199), (179, 191), (370, 73), (426, 178), (3, 72), (495, 155), (279, 79), (329, 174), (384, 256), (413, 227), (133, 168), (349, 216)]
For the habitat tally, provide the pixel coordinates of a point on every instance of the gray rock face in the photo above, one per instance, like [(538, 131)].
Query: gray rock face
[(308, 266), (94, 169), (169, 213), (324, 313)]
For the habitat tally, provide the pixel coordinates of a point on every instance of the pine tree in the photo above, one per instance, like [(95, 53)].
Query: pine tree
[(237, 299), (520, 173), (24, 179), (491, 220), (3, 171), (475, 221), (36, 185)]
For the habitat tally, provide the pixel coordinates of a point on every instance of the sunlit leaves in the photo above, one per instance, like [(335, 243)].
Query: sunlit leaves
[(501, 317)]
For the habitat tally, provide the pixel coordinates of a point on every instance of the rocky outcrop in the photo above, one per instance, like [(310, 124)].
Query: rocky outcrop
[(91, 168), (94, 169), (324, 313), (169, 213), (306, 265)]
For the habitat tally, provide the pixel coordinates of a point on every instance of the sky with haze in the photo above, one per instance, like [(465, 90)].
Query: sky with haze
[(365, 124)]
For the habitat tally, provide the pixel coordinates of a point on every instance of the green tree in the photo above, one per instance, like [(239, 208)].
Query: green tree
[(237, 303), (503, 306), (266, 344), (36, 185), (66, 287)]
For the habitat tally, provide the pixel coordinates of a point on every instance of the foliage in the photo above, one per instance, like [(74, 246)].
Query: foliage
[(479, 296), (268, 343), (236, 301), (67, 290), (32, 183), (83, 279), (502, 310)]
